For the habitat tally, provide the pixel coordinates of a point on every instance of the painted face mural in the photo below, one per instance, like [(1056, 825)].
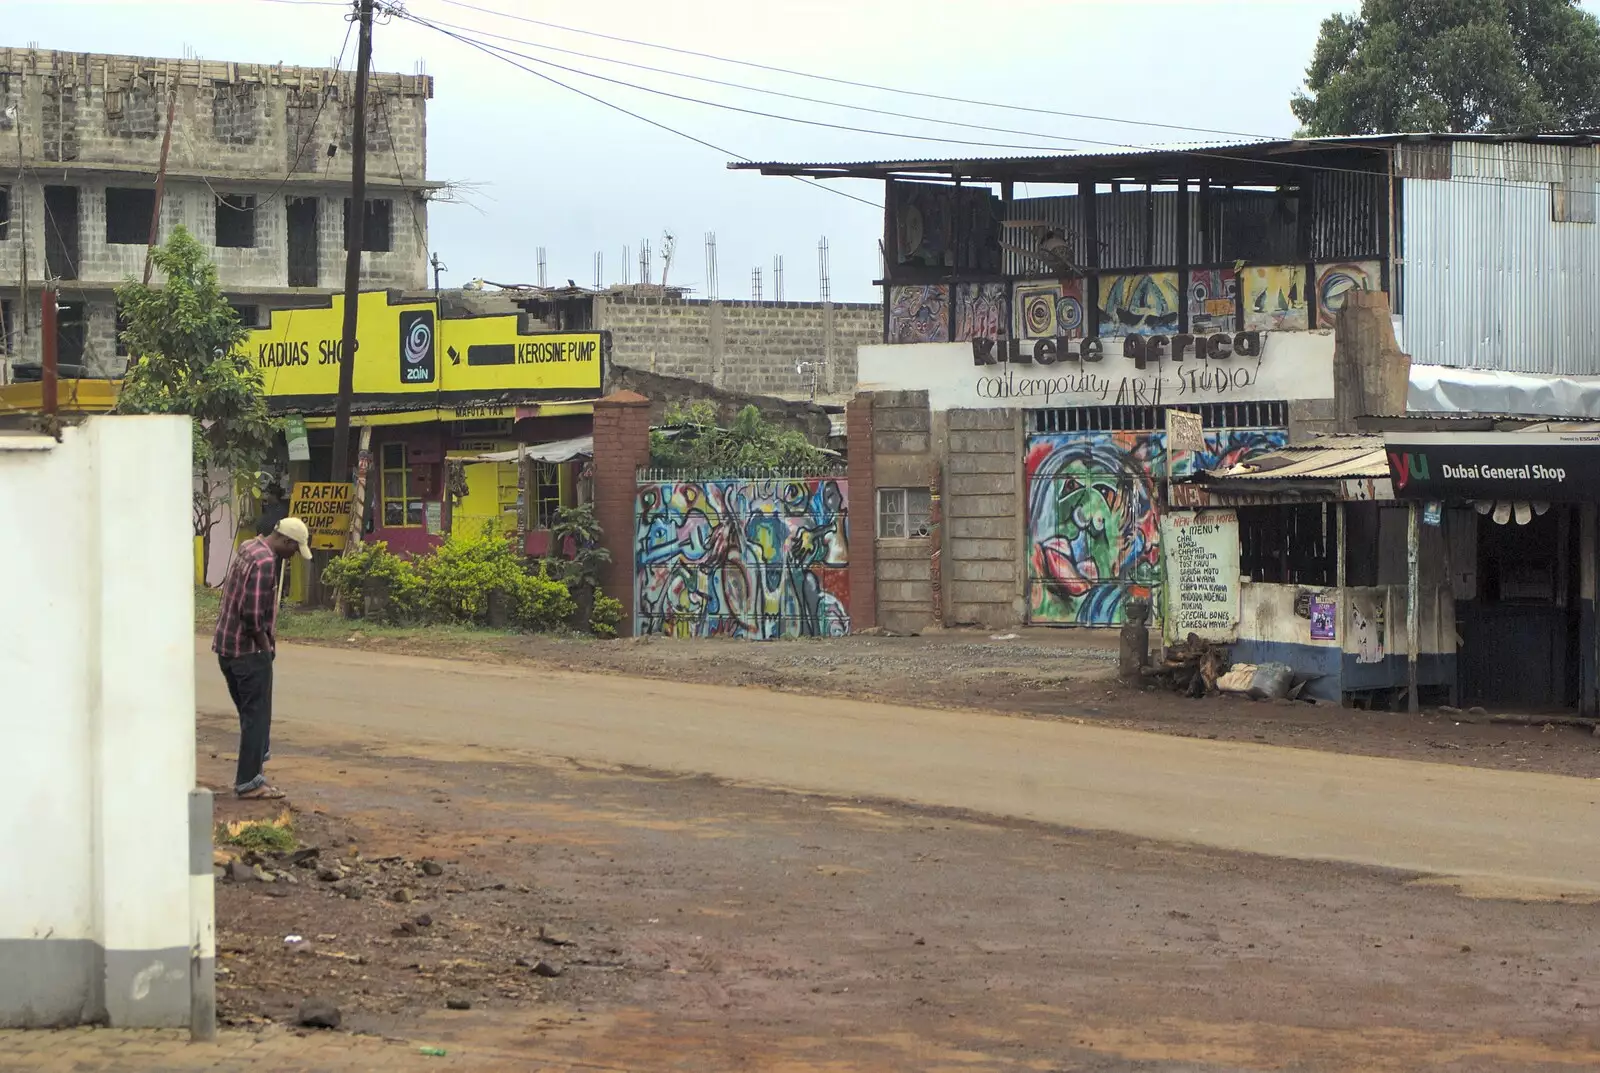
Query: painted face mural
[(1094, 541), (758, 558)]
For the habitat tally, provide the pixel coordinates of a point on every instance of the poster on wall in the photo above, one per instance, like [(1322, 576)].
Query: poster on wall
[(1201, 550), (1324, 616)]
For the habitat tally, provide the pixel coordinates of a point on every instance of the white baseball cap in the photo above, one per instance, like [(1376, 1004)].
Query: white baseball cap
[(296, 530)]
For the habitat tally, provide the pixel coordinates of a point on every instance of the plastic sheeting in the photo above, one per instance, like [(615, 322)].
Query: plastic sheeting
[(1440, 389)]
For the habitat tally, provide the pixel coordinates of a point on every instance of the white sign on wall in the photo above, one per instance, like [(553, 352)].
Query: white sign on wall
[(1201, 552), (1135, 371)]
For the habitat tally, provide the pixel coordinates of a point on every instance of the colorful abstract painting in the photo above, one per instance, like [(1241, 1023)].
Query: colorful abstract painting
[(1334, 282), (1275, 298), (1213, 301), (1093, 535), (757, 558), (1047, 308), (980, 311), (919, 314), (1140, 304)]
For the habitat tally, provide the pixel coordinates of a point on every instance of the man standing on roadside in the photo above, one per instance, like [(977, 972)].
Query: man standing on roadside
[(246, 640)]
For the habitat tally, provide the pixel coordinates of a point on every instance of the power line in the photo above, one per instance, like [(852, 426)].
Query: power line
[(736, 108), (754, 89), (1196, 153), (625, 111), (845, 81)]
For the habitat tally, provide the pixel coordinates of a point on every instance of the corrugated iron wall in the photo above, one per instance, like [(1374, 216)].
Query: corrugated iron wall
[(1491, 282), (1260, 226)]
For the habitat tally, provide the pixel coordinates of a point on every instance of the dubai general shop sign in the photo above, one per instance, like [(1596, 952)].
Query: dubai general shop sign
[(1558, 467), (1148, 370), (407, 353)]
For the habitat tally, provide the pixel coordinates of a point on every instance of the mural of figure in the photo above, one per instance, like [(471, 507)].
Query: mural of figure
[(980, 311), (1093, 531), (757, 558), (919, 314)]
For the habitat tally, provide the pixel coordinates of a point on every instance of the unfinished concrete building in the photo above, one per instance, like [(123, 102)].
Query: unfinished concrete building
[(258, 169)]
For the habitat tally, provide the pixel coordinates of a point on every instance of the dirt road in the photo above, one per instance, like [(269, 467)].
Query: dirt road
[(1496, 832)]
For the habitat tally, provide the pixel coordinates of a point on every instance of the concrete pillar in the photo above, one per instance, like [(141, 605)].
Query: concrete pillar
[(621, 446), (141, 718), (863, 514)]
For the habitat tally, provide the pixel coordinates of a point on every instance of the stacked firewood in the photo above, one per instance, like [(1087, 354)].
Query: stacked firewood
[(1191, 667)]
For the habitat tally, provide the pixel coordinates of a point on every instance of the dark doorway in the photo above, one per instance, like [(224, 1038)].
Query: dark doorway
[(1519, 629), (303, 250), (71, 335), (61, 232)]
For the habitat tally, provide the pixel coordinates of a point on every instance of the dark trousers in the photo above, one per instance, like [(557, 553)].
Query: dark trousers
[(249, 681)]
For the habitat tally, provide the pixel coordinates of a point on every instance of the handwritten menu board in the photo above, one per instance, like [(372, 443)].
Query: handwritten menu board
[(1201, 549)]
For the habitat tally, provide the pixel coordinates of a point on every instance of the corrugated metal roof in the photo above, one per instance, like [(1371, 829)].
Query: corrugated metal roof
[(1337, 458), (971, 167)]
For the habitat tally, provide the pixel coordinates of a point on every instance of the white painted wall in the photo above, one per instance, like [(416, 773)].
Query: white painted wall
[(97, 719), (1292, 365)]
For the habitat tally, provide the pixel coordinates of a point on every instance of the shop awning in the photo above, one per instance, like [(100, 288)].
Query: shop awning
[(1338, 458), (553, 453)]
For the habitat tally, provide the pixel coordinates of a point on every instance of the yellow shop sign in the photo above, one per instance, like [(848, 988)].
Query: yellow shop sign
[(408, 353)]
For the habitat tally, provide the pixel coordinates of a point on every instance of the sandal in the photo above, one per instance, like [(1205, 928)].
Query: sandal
[(261, 793)]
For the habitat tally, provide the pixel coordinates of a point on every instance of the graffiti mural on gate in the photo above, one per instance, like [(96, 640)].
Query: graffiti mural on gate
[(1093, 533), (742, 557), (919, 314)]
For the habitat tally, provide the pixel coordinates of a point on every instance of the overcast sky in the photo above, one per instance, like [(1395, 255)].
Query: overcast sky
[(543, 166)]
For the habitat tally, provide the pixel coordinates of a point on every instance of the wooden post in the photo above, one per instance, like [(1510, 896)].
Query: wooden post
[(1340, 582), (161, 176), (1413, 599), (355, 238)]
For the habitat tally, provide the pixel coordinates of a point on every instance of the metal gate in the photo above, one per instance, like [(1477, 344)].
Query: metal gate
[(755, 557), (1094, 538)]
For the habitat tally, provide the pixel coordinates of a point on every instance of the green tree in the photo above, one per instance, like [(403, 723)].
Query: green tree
[(693, 440), (184, 345), (1453, 65)]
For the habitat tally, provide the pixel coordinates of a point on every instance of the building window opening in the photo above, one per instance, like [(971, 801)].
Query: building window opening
[(5, 212), (249, 315), (61, 231), (1289, 545), (71, 337), (402, 505), (377, 231), (128, 214), (553, 489), (903, 512), (122, 325), (236, 221), (303, 247)]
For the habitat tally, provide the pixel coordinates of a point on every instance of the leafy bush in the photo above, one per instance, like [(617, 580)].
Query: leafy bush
[(604, 615), (751, 444), (541, 603), (374, 566), (458, 578)]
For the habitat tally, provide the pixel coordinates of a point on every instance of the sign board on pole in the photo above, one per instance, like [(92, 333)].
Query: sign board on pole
[(1201, 550), (1185, 431), (294, 431), (325, 507)]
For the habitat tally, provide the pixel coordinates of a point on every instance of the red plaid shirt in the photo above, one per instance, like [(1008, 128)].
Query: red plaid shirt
[(249, 601)]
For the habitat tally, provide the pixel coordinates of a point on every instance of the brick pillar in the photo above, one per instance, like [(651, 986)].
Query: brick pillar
[(863, 514), (621, 446)]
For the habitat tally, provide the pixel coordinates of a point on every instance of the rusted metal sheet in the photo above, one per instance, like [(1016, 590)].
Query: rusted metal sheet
[(1427, 160), (1518, 162), (1491, 282)]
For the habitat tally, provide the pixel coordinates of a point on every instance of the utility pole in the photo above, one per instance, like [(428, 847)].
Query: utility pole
[(161, 174), (355, 238)]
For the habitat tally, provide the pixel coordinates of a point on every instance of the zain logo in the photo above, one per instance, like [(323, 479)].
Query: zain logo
[(417, 364)]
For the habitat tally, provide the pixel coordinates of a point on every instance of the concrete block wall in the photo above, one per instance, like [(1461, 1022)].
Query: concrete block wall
[(983, 529), (746, 347), (98, 723), (903, 456), (230, 118)]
